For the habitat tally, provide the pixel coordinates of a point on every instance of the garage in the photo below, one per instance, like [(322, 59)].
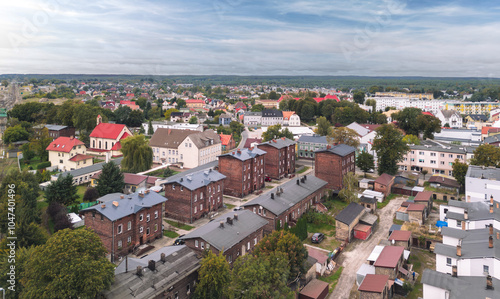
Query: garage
[(362, 231)]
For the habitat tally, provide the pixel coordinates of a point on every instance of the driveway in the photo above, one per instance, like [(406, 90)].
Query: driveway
[(353, 259)]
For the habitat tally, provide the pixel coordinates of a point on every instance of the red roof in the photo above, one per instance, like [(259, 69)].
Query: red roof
[(427, 113), (423, 196), (314, 289), (117, 146), (418, 207), (195, 101), (374, 283), (82, 92), (319, 99), (389, 257), (384, 179), (130, 95), (320, 255), (80, 157), (108, 131), (125, 135), (133, 179), (484, 130), (63, 144), (225, 139), (288, 114), (332, 97), (370, 126), (362, 227), (400, 235)]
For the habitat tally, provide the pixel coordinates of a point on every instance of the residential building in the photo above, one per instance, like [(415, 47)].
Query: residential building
[(68, 153), (124, 222), (469, 137), (346, 220), (171, 271), (184, 147), (445, 182), (271, 117), (132, 182), (170, 125), (366, 135), (482, 183), (383, 183), (417, 213), (406, 102), (227, 142), (471, 107), (290, 118), (234, 234), (182, 117), (333, 163), (252, 118), (268, 104), (225, 119), (84, 175), (56, 131), (308, 144), (252, 142), (390, 262), (286, 203), (196, 104), (105, 138), (194, 195), (280, 158), (244, 169), (450, 117)]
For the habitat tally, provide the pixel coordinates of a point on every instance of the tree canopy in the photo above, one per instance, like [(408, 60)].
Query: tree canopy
[(486, 155), (459, 172), (110, 180), (62, 191), (390, 148), (14, 134), (214, 276), (275, 132), (343, 135), (349, 191), (324, 126), (365, 161), (137, 154)]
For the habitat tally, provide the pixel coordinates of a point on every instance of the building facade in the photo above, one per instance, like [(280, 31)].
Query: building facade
[(68, 153), (308, 144), (331, 164), (105, 138), (280, 157)]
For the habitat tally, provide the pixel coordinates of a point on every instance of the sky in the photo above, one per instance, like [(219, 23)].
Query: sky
[(432, 38)]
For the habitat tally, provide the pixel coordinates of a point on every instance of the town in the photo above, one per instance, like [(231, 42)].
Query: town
[(151, 188)]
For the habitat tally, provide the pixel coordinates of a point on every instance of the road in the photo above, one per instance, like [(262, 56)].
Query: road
[(244, 136), (358, 255)]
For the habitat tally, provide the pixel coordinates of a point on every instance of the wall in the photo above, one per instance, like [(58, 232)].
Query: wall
[(431, 292), (371, 295), (243, 177), (477, 189), (332, 168)]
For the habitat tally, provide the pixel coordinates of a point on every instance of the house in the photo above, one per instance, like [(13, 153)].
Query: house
[(184, 147), (346, 220), (315, 289), (225, 119), (469, 137), (233, 234), (268, 104), (84, 175), (271, 117), (105, 138), (401, 238), (124, 222), (493, 140), (383, 184), (470, 215), (244, 169), (194, 195), (366, 135), (252, 142), (56, 131), (425, 198), (481, 183), (68, 153), (286, 203), (252, 118), (417, 213), (182, 117), (450, 117), (196, 104), (290, 118), (308, 144), (369, 203), (333, 163), (240, 105), (132, 182), (280, 157), (375, 286), (390, 262), (227, 142), (321, 256), (171, 271)]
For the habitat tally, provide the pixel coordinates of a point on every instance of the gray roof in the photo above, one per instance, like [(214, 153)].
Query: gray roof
[(89, 169), (272, 113), (180, 262), (348, 214), (292, 194), (366, 199), (340, 150), (313, 139), (369, 219), (250, 113), (492, 139), (130, 204), (463, 287), (453, 232), (55, 127), (456, 216), (474, 245), (245, 154), (433, 145), (480, 117), (210, 165), (450, 113), (476, 210), (279, 143), (193, 181), (224, 115), (224, 238), (487, 173)]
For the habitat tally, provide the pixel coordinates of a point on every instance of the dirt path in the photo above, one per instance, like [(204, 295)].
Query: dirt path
[(357, 256)]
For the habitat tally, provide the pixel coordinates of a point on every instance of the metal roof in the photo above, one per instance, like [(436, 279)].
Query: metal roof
[(474, 245), (245, 154), (89, 169), (389, 257), (193, 181), (313, 139), (279, 143), (349, 213), (340, 150), (374, 283), (481, 172)]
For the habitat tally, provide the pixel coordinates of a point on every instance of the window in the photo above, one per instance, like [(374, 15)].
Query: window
[(451, 156), (486, 269), (196, 243), (459, 223), (148, 218), (255, 241), (141, 229), (156, 214), (195, 197), (201, 195), (147, 230), (173, 186), (421, 160), (442, 155), (421, 153), (202, 245), (195, 209), (201, 207), (120, 244), (156, 227), (141, 217), (433, 161), (218, 188), (120, 229), (448, 261), (129, 240), (248, 246), (129, 225), (208, 246)]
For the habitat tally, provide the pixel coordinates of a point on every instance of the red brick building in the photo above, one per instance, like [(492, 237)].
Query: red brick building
[(333, 162), (125, 221), (280, 157), (234, 234), (384, 183), (244, 169), (194, 195)]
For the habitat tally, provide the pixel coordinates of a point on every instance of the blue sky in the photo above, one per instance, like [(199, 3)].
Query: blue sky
[(240, 37)]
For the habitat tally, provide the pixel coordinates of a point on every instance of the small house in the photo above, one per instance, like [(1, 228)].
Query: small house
[(315, 289), (401, 238), (375, 286), (384, 184), (390, 262), (362, 231), (370, 203), (416, 213), (347, 219)]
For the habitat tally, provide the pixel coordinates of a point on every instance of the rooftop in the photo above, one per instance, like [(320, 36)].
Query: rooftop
[(481, 172), (340, 150), (349, 213), (400, 235), (374, 283), (313, 139), (193, 181), (107, 130), (389, 257), (279, 143), (245, 154), (64, 144)]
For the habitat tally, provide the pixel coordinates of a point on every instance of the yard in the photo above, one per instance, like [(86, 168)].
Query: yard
[(332, 279), (179, 225), (421, 259)]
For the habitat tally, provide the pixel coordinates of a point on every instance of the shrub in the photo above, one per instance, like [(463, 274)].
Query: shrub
[(91, 194), (43, 165)]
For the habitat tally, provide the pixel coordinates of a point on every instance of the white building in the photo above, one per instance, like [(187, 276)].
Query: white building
[(252, 118), (400, 103), (481, 183), (450, 117)]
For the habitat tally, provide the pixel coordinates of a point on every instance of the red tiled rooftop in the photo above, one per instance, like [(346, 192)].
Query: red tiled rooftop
[(374, 283), (107, 130), (133, 179), (225, 139), (423, 196), (63, 144), (80, 157), (384, 179), (320, 255), (415, 207), (400, 235), (389, 257)]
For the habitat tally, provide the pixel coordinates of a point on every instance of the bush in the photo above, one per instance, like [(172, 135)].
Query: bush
[(91, 194), (314, 217), (43, 165)]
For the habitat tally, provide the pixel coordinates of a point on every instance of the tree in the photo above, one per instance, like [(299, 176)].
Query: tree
[(141, 102), (365, 161), (193, 120), (168, 172), (324, 126), (85, 117), (459, 172), (181, 103), (260, 277), (28, 154), (411, 139), (424, 172), (486, 155), (349, 191), (22, 256), (14, 134), (373, 103), (429, 125), (390, 148), (407, 120), (273, 95), (39, 142), (121, 114), (82, 270), (214, 276), (258, 108), (58, 214), (5, 83), (275, 132), (359, 97), (135, 118), (151, 130), (344, 135), (137, 154), (168, 112), (62, 191), (110, 180), (91, 194), (287, 243)]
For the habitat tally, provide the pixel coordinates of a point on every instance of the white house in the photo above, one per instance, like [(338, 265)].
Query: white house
[(252, 118), (68, 153), (481, 183), (450, 117)]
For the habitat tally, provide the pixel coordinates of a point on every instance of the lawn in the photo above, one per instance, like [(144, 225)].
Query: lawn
[(170, 234), (332, 279), (389, 197), (230, 206), (421, 259), (80, 192), (180, 225), (33, 163), (304, 169)]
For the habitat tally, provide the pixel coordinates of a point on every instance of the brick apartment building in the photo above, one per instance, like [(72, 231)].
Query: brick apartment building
[(244, 169), (234, 234), (280, 157), (333, 162), (194, 195), (126, 221)]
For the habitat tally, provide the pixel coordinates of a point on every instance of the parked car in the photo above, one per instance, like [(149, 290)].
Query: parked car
[(267, 179), (179, 241), (237, 209), (317, 237)]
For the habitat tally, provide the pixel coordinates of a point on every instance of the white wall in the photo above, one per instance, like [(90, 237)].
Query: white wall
[(441, 265), (431, 292), (442, 214)]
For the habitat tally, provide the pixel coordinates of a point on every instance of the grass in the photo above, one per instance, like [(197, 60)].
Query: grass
[(230, 206), (304, 169), (180, 225), (421, 259), (389, 197), (170, 234), (332, 279), (80, 192), (269, 187), (33, 163), (397, 221)]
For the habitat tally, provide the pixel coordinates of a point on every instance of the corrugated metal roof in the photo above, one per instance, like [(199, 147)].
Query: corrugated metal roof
[(348, 214), (389, 257), (374, 283)]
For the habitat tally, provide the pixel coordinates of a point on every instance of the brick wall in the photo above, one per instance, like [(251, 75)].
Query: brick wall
[(332, 168), (279, 162), (341, 231), (392, 272), (372, 295), (243, 177), (180, 288)]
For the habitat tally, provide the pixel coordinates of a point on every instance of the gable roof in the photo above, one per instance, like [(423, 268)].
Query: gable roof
[(272, 113), (389, 257), (245, 154), (249, 141), (400, 235), (64, 144), (374, 283), (107, 130), (384, 179), (279, 143), (418, 207), (80, 157), (205, 138), (313, 139), (349, 213), (362, 131), (288, 114), (193, 181), (169, 138), (225, 139), (449, 113), (339, 150)]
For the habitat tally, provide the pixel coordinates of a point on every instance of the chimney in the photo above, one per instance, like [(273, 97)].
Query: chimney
[(459, 250), (491, 229), (498, 205), (141, 194), (221, 225), (490, 242), (454, 271), (235, 216), (328, 147), (169, 131), (491, 200), (463, 225), (305, 178), (147, 191), (298, 182), (302, 180), (115, 203), (239, 152), (71, 137), (491, 209), (466, 214), (163, 257), (103, 206), (229, 220), (139, 271), (151, 265), (489, 282), (272, 195)]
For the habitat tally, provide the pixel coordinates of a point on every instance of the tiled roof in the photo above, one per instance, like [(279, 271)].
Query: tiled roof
[(288, 114), (374, 283), (423, 196), (415, 207), (389, 257), (279, 143), (80, 157), (225, 139), (400, 235), (107, 130), (64, 144), (384, 179)]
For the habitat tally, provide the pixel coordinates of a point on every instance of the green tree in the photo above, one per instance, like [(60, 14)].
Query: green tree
[(28, 154), (359, 97), (141, 101), (214, 277), (424, 172), (168, 112), (300, 228), (486, 155), (5, 83), (193, 120), (273, 95), (110, 180), (82, 270), (349, 191), (407, 120), (429, 125), (137, 154), (459, 172), (181, 104), (22, 256), (365, 161), (121, 114), (373, 103), (390, 148), (258, 108), (14, 134), (85, 117), (62, 191), (274, 132), (411, 139), (135, 118), (287, 243), (343, 135), (324, 126), (39, 142), (168, 172), (91, 194), (151, 130)]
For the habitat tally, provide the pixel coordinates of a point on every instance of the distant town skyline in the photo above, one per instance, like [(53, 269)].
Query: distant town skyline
[(455, 38)]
